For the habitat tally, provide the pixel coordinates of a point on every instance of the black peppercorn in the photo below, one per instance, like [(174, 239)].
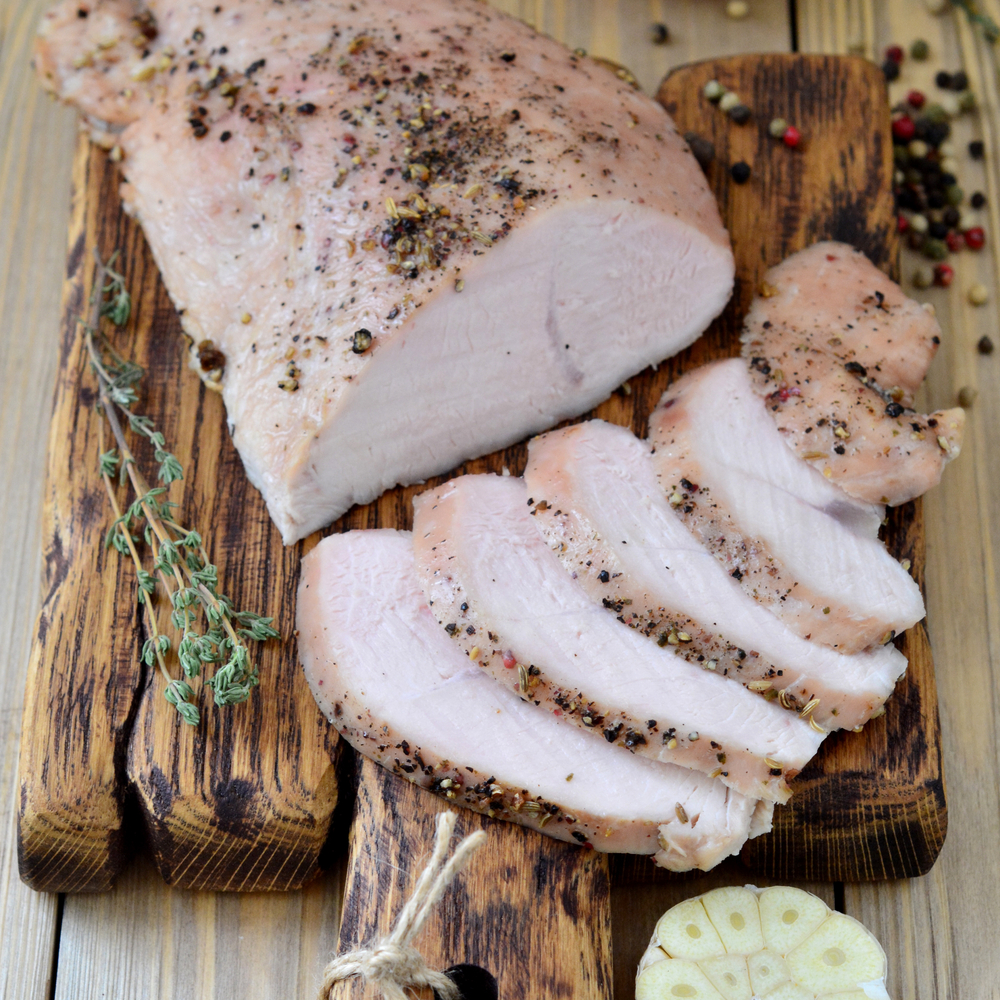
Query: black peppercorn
[(937, 230), (960, 80), (978, 200), (985, 345), (891, 69), (659, 34), (740, 172), (702, 148), (951, 216), (740, 114), (362, 341), (893, 410), (943, 80), (976, 149), (935, 199), (938, 132)]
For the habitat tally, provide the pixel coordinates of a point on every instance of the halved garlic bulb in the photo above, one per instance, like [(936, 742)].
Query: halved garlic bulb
[(744, 943)]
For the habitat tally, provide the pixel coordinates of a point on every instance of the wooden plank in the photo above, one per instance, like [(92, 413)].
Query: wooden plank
[(532, 912), (83, 673), (245, 799), (937, 930), (870, 805), (146, 941), (620, 30), (837, 27), (34, 157)]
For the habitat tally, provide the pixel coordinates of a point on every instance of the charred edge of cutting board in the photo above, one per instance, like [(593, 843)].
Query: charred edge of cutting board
[(237, 839), (532, 912)]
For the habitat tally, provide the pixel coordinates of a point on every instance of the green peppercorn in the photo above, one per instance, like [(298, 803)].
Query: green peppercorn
[(920, 49), (955, 195), (935, 249), (777, 127), (923, 276), (936, 113), (967, 101)]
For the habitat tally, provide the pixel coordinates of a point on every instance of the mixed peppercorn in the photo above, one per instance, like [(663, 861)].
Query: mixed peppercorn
[(934, 212)]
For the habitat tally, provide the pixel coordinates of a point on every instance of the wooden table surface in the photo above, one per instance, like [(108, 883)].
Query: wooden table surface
[(145, 940)]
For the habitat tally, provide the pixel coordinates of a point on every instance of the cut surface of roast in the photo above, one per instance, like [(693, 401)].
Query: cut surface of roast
[(794, 540), (503, 595), (600, 506), (402, 692)]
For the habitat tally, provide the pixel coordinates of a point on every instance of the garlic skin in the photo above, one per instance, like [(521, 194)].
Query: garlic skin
[(745, 943)]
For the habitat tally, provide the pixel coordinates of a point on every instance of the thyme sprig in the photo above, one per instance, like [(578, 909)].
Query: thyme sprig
[(989, 27), (211, 630)]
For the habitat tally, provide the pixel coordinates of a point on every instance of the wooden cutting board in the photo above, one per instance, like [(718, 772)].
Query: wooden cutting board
[(246, 800)]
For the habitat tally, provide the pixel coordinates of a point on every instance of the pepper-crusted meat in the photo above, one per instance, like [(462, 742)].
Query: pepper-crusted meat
[(839, 351), (792, 539), (599, 505), (403, 693), (514, 230), (492, 582)]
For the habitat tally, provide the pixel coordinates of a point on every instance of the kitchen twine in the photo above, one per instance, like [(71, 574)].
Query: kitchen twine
[(392, 963)]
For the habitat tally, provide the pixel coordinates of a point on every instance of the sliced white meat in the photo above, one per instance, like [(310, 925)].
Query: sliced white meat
[(399, 234), (400, 691), (839, 351), (508, 602), (601, 509), (793, 540)]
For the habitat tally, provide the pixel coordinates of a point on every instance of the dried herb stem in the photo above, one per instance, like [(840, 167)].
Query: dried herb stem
[(180, 560)]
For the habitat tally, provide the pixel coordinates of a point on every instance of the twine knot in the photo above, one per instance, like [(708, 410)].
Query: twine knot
[(392, 964)]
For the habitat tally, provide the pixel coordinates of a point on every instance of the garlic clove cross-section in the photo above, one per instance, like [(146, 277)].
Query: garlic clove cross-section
[(744, 943)]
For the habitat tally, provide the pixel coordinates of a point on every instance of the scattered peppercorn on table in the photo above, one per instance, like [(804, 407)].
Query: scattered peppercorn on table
[(144, 939)]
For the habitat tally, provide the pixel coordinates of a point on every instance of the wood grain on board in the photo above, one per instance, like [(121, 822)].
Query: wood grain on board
[(244, 800), (35, 151), (535, 915)]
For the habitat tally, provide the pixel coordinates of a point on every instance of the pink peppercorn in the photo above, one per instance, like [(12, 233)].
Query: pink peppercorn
[(895, 53), (955, 241), (792, 137), (916, 99), (943, 275), (904, 128), (975, 238), (902, 223)]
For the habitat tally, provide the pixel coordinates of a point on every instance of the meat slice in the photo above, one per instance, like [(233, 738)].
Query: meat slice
[(508, 602), (839, 351), (599, 505), (401, 692), (395, 232), (793, 540)]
